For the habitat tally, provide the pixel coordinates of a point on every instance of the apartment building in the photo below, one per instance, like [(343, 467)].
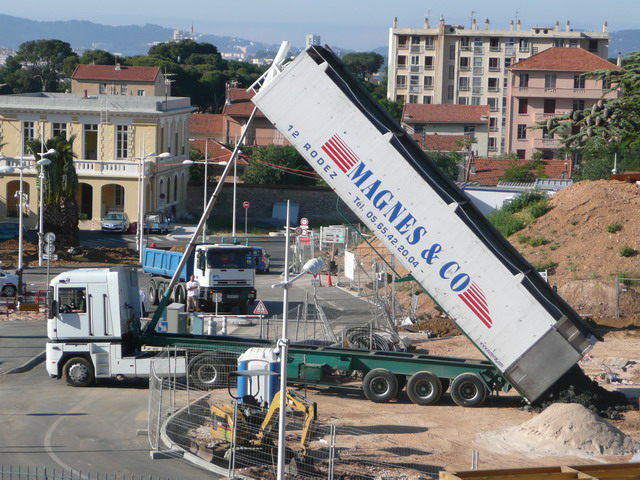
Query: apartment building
[(550, 84), (119, 80), (468, 66), (114, 137)]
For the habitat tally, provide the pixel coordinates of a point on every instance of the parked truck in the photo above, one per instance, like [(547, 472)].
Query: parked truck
[(528, 334), (226, 273)]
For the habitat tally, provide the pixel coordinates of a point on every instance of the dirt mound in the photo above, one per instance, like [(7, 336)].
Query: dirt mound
[(562, 427)]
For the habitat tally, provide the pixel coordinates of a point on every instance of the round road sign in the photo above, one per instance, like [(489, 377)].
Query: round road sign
[(49, 237), (246, 204), (304, 221)]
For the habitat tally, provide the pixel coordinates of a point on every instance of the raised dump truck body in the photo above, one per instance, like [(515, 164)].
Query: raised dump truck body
[(495, 297)]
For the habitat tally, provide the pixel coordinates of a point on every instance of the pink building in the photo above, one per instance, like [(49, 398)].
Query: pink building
[(547, 85)]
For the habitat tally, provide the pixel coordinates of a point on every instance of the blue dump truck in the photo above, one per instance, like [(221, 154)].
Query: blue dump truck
[(226, 275)]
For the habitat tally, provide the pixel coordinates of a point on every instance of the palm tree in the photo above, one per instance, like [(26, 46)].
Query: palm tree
[(60, 184)]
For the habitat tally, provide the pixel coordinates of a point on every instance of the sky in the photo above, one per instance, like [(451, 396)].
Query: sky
[(352, 24)]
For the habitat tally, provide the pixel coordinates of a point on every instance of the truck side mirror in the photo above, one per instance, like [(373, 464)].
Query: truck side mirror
[(53, 309)]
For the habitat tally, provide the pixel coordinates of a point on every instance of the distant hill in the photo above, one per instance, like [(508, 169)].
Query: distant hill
[(624, 41)]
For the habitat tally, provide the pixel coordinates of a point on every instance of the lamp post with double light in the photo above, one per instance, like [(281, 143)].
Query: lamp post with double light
[(141, 198), (43, 162)]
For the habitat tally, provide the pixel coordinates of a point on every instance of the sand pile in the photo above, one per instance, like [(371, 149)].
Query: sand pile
[(563, 429)]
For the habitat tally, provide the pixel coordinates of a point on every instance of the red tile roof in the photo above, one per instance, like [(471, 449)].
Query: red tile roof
[(205, 124), (239, 104), (444, 113), (565, 59), (216, 152), (439, 143), (112, 72), (489, 170)]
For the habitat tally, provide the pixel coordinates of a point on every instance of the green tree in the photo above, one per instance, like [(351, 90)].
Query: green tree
[(39, 65), (525, 172), (278, 165), (60, 185), (364, 64), (97, 57), (449, 163)]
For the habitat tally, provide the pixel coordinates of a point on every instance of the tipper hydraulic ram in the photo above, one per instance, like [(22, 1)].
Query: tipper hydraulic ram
[(495, 297)]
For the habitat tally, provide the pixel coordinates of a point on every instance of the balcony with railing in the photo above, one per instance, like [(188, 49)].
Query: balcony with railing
[(495, 48), (478, 50), (465, 48), (523, 48), (430, 46), (416, 49), (493, 89), (555, 92), (541, 117), (547, 143), (415, 69), (414, 89), (478, 70), (494, 68), (476, 90), (465, 68)]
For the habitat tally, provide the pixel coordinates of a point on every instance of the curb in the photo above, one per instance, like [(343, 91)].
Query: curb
[(28, 365)]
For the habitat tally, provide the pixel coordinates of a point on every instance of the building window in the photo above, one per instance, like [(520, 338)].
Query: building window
[(493, 145), (477, 46), (399, 98), (141, 93), (578, 81), (522, 132), (401, 81), (465, 64), (428, 83), (507, 62), (119, 196), (549, 105), (477, 85), (429, 43), (558, 42), (415, 60), (493, 124), (523, 45), (413, 98), (475, 100), (465, 43), (124, 89), (102, 88), (403, 40), (452, 72), (59, 130), (573, 43), (578, 104), (122, 142), (523, 106), (463, 83), (28, 135), (521, 154), (523, 80), (547, 154), (402, 61), (414, 81), (463, 100), (427, 99), (606, 83), (494, 64), (449, 92), (469, 130), (550, 81), (477, 65), (415, 40), (493, 84), (419, 129), (452, 52), (494, 44), (428, 63), (593, 45), (493, 104)]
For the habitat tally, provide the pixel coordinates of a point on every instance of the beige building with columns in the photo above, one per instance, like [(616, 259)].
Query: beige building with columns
[(114, 134)]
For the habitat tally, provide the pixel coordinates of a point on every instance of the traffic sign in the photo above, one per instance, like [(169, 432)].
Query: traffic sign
[(49, 248), (260, 309), (50, 256), (246, 204), (49, 237), (298, 231), (304, 221)]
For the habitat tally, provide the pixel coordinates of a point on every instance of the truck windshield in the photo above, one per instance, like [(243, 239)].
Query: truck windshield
[(229, 259)]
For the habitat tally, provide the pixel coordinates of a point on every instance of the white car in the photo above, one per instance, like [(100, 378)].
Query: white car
[(115, 222), (8, 284)]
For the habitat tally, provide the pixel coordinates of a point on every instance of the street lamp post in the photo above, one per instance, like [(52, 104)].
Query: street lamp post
[(141, 198), (42, 162)]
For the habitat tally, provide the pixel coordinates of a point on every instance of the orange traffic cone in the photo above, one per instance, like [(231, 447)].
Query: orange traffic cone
[(329, 284)]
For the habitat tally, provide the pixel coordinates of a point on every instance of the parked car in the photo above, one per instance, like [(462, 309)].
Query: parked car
[(156, 222), (115, 222), (8, 284), (261, 260)]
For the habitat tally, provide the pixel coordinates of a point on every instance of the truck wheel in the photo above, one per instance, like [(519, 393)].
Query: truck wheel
[(467, 390), (424, 388), (152, 292), (380, 385), (179, 294), (161, 291), (78, 372), (211, 370)]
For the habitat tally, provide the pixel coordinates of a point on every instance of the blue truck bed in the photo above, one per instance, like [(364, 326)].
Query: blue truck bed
[(164, 262)]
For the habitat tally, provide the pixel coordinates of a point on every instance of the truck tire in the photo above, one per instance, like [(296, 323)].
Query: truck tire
[(211, 370), (380, 385), (467, 390), (424, 388), (161, 291), (78, 372), (152, 292), (179, 294)]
